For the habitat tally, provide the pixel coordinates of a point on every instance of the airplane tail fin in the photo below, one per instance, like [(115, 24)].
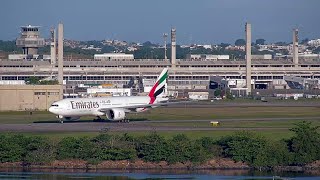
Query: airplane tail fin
[(159, 86)]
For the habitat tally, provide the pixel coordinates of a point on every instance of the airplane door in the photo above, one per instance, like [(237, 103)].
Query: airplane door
[(69, 106)]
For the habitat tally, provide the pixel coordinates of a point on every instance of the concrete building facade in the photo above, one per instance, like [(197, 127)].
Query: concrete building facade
[(113, 56), (28, 97), (30, 39), (186, 74)]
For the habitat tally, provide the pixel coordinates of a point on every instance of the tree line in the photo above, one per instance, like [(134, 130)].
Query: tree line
[(257, 151)]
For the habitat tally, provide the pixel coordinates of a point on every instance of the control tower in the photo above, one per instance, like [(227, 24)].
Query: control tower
[(30, 39)]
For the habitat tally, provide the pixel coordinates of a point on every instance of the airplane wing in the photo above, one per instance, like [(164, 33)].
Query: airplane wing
[(145, 105)]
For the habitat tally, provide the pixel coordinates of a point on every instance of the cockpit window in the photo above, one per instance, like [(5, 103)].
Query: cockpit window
[(56, 105)]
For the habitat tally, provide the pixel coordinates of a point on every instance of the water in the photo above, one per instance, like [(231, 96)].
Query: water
[(153, 174)]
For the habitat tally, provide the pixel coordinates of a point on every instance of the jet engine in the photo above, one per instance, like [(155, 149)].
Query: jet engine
[(116, 114)]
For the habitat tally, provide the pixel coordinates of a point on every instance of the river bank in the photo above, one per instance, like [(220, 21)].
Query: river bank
[(214, 164)]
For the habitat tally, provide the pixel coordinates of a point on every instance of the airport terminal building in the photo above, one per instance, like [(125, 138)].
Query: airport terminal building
[(184, 74)]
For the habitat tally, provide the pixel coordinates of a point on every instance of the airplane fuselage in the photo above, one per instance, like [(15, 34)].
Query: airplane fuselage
[(114, 108), (91, 106)]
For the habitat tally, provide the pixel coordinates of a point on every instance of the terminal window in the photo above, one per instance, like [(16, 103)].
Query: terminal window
[(53, 93), (39, 93)]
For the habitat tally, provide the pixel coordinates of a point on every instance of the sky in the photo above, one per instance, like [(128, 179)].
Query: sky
[(196, 21)]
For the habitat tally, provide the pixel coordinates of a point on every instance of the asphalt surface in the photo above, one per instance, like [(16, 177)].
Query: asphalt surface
[(238, 119), (85, 126), (217, 104), (143, 126)]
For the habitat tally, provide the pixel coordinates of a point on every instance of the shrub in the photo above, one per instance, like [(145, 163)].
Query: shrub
[(38, 150), (75, 148), (180, 149), (243, 146), (152, 148), (305, 144), (10, 148), (110, 147)]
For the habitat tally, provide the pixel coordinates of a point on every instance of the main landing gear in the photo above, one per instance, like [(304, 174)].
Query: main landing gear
[(124, 121), (98, 119)]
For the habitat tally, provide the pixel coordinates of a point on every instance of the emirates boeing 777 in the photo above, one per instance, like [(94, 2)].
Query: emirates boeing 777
[(114, 108)]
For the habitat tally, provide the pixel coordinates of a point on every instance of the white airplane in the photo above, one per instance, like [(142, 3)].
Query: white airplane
[(114, 108)]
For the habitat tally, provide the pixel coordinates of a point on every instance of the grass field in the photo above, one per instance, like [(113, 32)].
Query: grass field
[(181, 114), (226, 114), (241, 124), (271, 134)]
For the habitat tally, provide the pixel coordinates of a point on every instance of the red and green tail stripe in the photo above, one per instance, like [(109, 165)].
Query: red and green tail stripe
[(156, 90)]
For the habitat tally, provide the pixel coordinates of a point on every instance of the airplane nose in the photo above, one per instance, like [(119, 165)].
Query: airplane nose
[(51, 109)]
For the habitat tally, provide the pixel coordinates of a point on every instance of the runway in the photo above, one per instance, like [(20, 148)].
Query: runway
[(222, 104), (142, 126)]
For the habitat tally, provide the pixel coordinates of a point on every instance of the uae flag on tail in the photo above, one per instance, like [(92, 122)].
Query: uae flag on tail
[(159, 86)]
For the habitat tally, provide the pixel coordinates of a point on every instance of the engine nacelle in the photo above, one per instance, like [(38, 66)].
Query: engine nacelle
[(116, 114)]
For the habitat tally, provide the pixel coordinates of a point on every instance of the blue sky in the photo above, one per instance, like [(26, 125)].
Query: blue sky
[(196, 21)]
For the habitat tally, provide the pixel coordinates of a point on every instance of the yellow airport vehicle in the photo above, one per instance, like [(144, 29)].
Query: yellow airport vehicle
[(215, 123)]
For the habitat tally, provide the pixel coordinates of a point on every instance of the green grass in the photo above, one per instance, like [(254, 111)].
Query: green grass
[(239, 124), (228, 112), (234, 113), (273, 134), (270, 134), (59, 135), (21, 117)]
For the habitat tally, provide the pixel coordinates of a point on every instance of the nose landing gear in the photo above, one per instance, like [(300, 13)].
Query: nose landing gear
[(60, 118)]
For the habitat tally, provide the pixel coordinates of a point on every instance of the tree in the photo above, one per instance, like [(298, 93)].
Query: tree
[(273, 154), (260, 41), (75, 148), (246, 146), (9, 46), (38, 150), (152, 148), (280, 43), (11, 149), (180, 149), (48, 82), (306, 143), (304, 41), (148, 44), (229, 95), (223, 45), (112, 147), (210, 145), (217, 92), (32, 80), (240, 42), (316, 50), (36, 81)]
